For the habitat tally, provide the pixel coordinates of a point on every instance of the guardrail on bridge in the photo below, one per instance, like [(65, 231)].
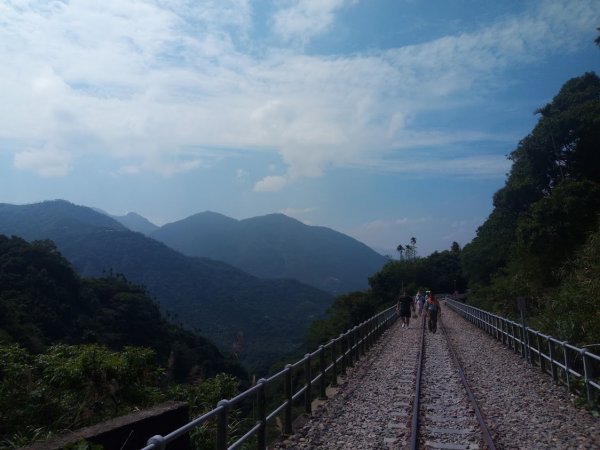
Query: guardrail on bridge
[(329, 360), (577, 368)]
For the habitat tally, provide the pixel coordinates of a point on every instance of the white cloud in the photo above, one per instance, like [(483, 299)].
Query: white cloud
[(271, 183), (47, 162), (163, 167), (304, 19), (149, 80)]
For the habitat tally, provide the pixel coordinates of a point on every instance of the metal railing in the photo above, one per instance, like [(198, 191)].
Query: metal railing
[(327, 363), (576, 368)]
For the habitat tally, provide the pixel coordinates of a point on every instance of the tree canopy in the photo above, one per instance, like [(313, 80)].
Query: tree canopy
[(546, 211)]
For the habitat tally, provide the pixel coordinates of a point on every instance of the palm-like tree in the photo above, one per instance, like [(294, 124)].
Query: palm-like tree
[(400, 250), (413, 247)]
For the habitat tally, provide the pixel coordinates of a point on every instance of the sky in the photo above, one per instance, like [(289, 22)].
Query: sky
[(381, 119)]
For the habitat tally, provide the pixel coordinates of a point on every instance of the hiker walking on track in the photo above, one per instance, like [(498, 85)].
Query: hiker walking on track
[(433, 310), (404, 307), (419, 302)]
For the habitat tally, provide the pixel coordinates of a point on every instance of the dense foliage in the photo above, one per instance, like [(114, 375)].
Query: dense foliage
[(44, 302), (544, 221), (76, 351), (70, 386)]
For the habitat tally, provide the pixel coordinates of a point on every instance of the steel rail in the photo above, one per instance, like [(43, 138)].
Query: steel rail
[(414, 435), (487, 436)]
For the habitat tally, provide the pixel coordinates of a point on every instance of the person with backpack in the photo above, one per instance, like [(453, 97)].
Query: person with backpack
[(433, 310), (403, 308)]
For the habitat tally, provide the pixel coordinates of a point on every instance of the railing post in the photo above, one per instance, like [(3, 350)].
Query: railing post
[(322, 369), (308, 385), (222, 424), (496, 331), (158, 441), (343, 345), (586, 378), (526, 345), (356, 343), (514, 337), (566, 360), (373, 332), (552, 361), (349, 337), (362, 336), (541, 359), (334, 367), (287, 418), (261, 441), (369, 335)]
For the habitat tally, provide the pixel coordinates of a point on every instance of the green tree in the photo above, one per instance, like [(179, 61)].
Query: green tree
[(553, 227), (561, 148), (72, 386), (345, 312), (573, 311), (400, 250)]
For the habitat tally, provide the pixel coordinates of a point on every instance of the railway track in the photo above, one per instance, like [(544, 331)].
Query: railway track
[(445, 413), (409, 394)]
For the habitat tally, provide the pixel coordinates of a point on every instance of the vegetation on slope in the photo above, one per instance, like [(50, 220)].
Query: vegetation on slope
[(258, 320), (544, 220), (76, 351)]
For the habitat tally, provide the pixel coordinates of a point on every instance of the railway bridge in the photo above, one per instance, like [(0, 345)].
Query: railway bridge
[(479, 382)]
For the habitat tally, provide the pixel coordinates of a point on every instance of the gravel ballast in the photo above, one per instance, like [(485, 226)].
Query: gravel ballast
[(523, 407)]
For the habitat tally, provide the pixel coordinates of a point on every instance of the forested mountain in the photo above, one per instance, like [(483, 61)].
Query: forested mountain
[(135, 222), (260, 320), (276, 246), (44, 302), (545, 219)]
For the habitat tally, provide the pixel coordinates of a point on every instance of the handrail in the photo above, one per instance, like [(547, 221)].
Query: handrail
[(343, 352), (568, 365)]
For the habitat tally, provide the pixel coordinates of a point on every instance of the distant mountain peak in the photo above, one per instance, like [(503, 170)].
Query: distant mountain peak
[(136, 222), (276, 246)]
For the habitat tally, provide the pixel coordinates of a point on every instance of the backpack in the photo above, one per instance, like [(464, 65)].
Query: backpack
[(432, 305)]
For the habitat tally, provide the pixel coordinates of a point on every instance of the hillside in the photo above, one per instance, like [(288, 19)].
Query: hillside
[(276, 246), (540, 241), (260, 320), (44, 302), (135, 222)]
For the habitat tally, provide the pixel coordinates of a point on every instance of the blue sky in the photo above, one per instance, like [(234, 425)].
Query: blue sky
[(382, 119)]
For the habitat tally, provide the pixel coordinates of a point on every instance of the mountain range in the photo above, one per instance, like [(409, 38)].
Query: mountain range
[(252, 286), (276, 246), (260, 320)]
